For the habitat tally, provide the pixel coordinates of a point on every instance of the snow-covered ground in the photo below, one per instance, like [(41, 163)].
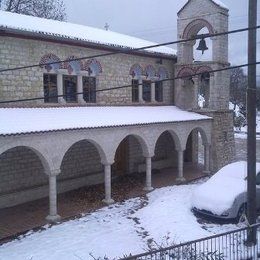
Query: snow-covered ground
[(123, 228), (242, 132)]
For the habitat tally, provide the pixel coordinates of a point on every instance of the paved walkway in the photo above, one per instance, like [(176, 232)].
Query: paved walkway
[(18, 219)]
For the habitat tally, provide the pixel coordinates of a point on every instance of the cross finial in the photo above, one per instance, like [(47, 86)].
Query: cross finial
[(106, 26)]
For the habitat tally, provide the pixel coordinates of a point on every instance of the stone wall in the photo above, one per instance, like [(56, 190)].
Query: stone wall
[(223, 140), (28, 83), (20, 169), (82, 159)]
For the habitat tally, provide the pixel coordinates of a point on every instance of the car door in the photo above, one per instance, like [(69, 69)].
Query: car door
[(258, 190)]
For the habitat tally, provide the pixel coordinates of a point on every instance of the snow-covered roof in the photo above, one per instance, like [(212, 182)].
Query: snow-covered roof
[(27, 120), (77, 32), (221, 4), (217, 2)]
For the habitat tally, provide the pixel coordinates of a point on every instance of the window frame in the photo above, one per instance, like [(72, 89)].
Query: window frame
[(159, 91), (71, 96), (91, 92), (49, 98), (135, 90), (146, 83)]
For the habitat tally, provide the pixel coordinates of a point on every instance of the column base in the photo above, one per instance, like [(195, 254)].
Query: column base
[(108, 202), (81, 101), (53, 219), (148, 188), (61, 101), (207, 172), (180, 179)]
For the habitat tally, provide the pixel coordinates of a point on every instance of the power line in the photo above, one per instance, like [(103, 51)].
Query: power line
[(140, 84), (129, 51)]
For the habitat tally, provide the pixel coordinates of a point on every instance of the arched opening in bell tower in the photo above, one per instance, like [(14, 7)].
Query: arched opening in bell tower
[(199, 55)]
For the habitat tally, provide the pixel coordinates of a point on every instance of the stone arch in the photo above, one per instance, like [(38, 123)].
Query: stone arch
[(136, 71), (99, 148), (130, 151), (44, 160), (203, 133), (93, 67), (162, 73), (83, 163), (166, 146), (174, 136), (195, 26), (204, 74), (22, 168), (150, 72), (203, 69), (73, 66), (50, 58), (140, 139), (185, 71)]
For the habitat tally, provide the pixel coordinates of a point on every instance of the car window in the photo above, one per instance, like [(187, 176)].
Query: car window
[(258, 179)]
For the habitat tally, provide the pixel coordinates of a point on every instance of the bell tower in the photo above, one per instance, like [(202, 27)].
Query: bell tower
[(207, 93)]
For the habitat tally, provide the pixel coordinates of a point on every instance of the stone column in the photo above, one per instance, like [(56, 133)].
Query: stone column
[(212, 92), (148, 185), (53, 215), (140, 91), (180, 167), (196, 92), (61, 100), (108, 200), (80, 89), (206, 158), (153, 92)]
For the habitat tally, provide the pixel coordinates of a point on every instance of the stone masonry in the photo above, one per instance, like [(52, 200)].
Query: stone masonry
[(28, 83)]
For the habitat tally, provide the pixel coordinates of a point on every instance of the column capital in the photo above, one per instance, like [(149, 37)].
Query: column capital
[(54, 172), (107, 163)]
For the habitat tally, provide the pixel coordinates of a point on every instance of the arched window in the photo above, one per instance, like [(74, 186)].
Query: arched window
[(94, 68), (136, 72), (204, 86), (162, 74), (51, 63)]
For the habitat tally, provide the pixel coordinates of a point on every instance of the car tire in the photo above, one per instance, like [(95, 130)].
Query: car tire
[(241, 214)]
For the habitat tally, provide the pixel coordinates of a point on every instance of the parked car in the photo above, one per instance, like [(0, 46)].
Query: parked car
[(224, 195)]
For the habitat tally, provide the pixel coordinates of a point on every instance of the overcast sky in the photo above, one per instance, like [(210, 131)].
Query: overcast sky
[(155, 20)]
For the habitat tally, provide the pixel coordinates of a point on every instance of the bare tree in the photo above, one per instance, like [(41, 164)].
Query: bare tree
[(41, 8), (238, 85)]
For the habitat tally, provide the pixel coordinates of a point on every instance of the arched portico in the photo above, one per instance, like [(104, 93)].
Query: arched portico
[(195, 136), (133, 149), (29, 165)]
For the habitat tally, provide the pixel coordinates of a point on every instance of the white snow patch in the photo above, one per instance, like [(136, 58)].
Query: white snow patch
[(120, 229), (219, 192), (220, 3), (76, 32), (24, 120)]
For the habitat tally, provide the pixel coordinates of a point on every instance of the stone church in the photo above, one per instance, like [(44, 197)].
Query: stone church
[(106, 108)]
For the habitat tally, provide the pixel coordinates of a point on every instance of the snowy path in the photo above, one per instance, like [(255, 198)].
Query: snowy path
[(122, 228)]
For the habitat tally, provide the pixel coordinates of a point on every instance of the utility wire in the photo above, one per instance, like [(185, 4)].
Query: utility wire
[(128, 86), (129, 51)]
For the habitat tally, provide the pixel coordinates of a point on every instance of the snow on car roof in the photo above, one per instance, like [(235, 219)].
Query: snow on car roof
[(27, 120), (219, 192), (76, 32)]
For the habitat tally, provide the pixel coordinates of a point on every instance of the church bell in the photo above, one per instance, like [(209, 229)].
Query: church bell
[(202, 46)]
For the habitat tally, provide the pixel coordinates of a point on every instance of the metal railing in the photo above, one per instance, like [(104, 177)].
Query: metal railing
[(227, 246)]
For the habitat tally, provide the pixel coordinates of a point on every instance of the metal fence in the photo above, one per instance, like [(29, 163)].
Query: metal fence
[(230, 245)]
